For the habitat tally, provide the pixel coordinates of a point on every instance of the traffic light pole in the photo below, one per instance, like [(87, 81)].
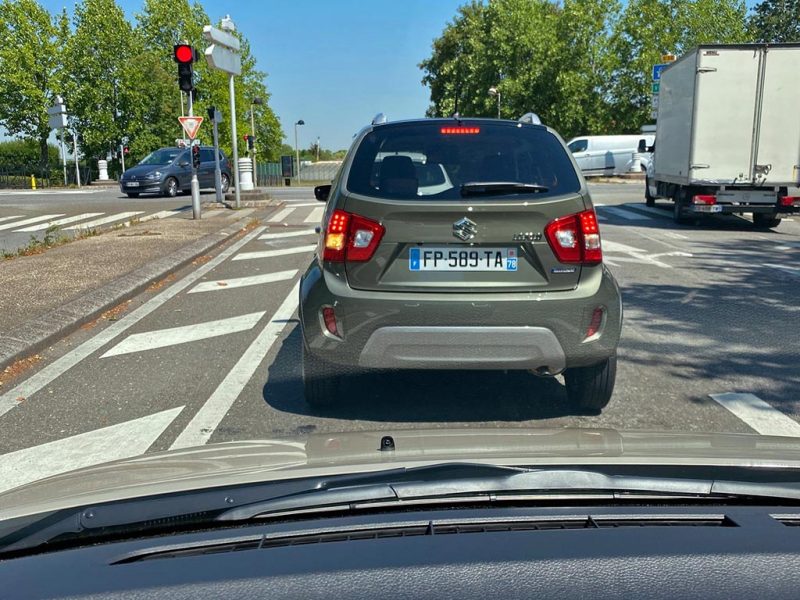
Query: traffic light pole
[(235, 141), (195, 183), (217, 170)]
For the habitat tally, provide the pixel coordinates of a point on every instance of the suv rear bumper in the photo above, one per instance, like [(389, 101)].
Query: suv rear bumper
[(389, 330)]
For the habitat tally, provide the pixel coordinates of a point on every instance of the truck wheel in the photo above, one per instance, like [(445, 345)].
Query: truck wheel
[(649, 199), (678, 210), (766, 220), (321, 384), (591, 387)]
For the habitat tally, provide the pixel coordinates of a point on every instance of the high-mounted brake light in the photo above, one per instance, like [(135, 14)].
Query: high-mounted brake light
[(460, 130), (576, 238), (707, 199), (790, 201), (351, 237)]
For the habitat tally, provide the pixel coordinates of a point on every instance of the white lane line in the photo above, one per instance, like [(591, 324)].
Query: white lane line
[(29, 221), (228, 284), (123, 440), (109, 219), (281, 216), (287, 234), (302, 203), (757, 414), (273, 253), (9, 218), (162, 338), (206, 420), (794, 271), (315, 216), (625, 213), (164, 214), (36, 382), (59, 222)]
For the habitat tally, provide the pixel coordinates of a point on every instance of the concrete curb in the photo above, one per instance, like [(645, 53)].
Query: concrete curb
[(36, 334)]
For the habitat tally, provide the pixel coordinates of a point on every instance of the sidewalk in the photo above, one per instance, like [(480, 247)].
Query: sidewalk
[(47, 296)]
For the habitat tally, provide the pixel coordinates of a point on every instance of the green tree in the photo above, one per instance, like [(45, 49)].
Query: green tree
[(30, 55), (776, 21)]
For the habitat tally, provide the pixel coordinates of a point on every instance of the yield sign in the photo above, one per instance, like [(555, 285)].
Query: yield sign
[(191, 125)]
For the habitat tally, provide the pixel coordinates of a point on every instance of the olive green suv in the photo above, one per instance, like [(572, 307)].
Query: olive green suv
[(459, 244)]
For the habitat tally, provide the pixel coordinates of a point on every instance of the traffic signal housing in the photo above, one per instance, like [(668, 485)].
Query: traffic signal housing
[(185, 56), (196, 156)]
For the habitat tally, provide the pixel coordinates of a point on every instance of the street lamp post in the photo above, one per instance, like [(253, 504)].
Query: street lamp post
[(296, 147), (493, 91), (255, 102)]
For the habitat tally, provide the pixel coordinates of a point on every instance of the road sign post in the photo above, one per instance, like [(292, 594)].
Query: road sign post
[(57, 119), (216, 119), (223, 55)]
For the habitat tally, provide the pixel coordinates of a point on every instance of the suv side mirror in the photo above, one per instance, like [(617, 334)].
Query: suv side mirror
[(183, 163), (321, 192)]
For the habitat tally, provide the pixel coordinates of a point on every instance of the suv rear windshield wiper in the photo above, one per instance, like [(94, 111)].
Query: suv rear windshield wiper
[(488, 188)]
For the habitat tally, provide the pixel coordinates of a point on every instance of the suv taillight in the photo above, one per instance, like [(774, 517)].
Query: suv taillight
[(351, 237), (576, 238)]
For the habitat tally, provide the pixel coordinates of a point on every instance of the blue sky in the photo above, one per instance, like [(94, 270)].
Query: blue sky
[(334, 63)]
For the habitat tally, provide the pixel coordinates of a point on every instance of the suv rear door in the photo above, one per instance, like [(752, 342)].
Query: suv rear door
[(465, 240)]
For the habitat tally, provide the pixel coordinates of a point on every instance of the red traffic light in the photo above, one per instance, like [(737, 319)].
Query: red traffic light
[(184, 53), (245, 136)]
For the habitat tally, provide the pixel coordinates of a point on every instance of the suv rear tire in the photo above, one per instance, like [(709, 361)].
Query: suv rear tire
[(321, 383), (766, 220), (591, 387)]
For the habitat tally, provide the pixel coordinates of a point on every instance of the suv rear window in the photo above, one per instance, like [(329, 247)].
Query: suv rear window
[(427, 160)]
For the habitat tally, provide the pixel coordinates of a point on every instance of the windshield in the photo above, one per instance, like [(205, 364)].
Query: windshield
[(423, 221), (161, 157), (416, 159)]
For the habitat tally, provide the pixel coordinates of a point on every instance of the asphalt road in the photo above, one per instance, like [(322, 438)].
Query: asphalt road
[(211, 357)]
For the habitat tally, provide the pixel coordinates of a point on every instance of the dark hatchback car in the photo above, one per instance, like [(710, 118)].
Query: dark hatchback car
[(496, 263), (168, 171)]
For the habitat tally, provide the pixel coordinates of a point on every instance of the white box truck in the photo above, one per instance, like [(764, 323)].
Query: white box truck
[(728, 133)]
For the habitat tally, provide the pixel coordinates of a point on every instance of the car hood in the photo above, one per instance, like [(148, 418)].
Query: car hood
[(243, 462), (140, 171)]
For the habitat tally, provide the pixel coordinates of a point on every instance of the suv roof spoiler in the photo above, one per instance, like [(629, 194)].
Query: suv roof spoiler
[(531, 118)]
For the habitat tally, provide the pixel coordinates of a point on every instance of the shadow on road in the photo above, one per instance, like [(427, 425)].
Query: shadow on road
[(420, 396)]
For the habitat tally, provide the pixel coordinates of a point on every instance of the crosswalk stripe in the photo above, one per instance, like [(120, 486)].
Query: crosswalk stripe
[(228, 284), (161, 338), (282, 215), (315, 216), (58, 222), (164, 214), (286, 234), (207, 419), (625, 214), (9, 218), (29, 221), (109, 219), (303, 204), (273, 253), (49, 373), (758, 414), (123, 440)]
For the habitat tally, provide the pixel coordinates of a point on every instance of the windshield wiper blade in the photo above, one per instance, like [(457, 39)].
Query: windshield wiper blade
[(488, 188)]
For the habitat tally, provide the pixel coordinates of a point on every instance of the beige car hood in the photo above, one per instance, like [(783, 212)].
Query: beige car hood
[(256, 461)]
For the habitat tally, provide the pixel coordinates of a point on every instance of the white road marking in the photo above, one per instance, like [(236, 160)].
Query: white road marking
[(208, 418), (59, 222), (162, 338), (625, 213), (228, 284), (9, 218), (636, 254), (676, 253), (315, 216), (793, 271), (758, 414), (601, 218), (287, 234), (36, 382), (302, 203), (123, 440), (273, 253), (676, 236), (164, 214), (29, 221), (105, 220), (281, 216)]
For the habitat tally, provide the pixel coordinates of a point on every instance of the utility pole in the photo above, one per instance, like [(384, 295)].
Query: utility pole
[(216, 118), (77, 166)]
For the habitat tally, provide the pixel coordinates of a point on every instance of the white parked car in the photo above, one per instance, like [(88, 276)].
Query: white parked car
[(606, 154)]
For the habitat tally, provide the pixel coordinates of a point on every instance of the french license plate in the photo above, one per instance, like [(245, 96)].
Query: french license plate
[(132, 184), (462, 259)]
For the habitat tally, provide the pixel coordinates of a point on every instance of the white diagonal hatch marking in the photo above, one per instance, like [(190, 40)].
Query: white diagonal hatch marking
[(757, 414), (29, 221), (237, 282), (64, 221), (273, 253), (286, 234)]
